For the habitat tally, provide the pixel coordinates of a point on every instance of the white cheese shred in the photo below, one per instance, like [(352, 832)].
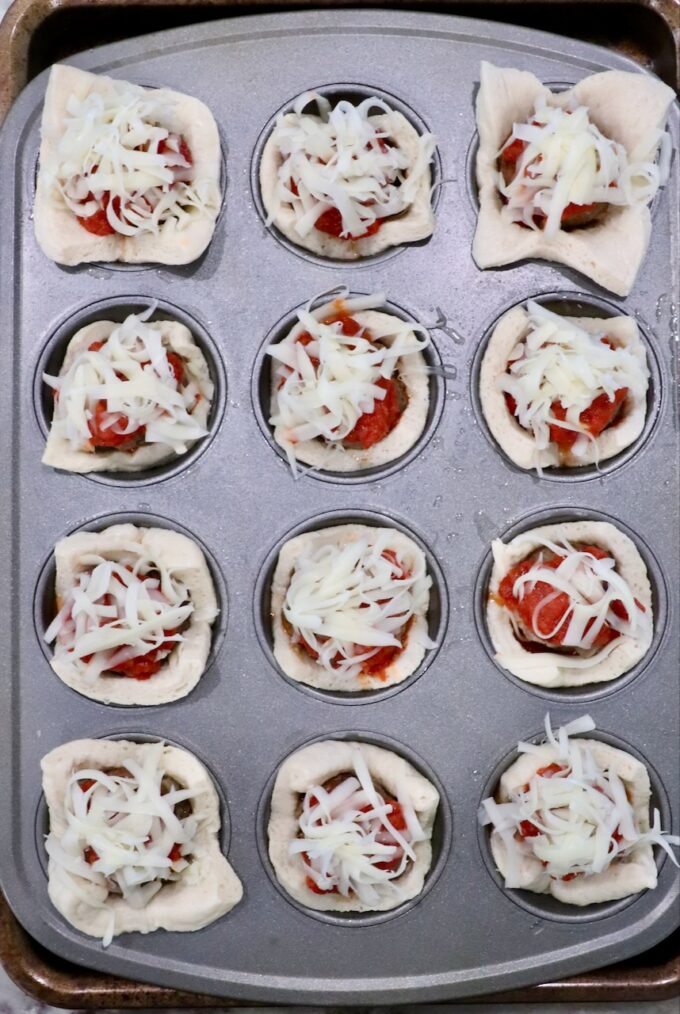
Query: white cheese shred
[(126, 826), (347, 602), (567, 160), (576, 818), (345, 158), (346, 832)]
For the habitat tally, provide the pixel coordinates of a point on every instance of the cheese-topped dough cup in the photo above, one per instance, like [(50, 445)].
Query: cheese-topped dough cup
[(321, 419), (347, 181), (156, 200), (129, 396), (349, 608), (135, 608), (571, 818), (563, 366), (580, 591), (369, 794), (628, 109), (158, 867)]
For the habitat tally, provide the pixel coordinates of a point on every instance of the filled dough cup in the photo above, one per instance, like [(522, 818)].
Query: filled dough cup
[(569, 604), (134, 613), (563, 392), (570, 817), (347, 180), (599, 223), (349, 386), (129, 396), (349, 608), (103, 197), (156, 863), (350, 827)]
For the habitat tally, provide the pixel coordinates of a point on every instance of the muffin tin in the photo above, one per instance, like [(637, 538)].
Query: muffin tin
[(460, 720)]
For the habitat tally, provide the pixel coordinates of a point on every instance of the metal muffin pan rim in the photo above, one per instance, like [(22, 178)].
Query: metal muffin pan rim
[(332, 519), (544, 906), (261, 391), (661, 605), (44, 584), (656, 394), (53, 348), (442, 830), (360, 91)]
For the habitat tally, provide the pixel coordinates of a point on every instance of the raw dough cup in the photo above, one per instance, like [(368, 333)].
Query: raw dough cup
[(303, 669), (623, 878), (517, 442), (208, 888), (314, 765), (628, 108), (183, 668), (415, 223), (57, 229), (58, 451), (411, 370), (543, 668)]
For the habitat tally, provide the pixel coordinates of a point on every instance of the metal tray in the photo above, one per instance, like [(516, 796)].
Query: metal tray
[(461, 719)]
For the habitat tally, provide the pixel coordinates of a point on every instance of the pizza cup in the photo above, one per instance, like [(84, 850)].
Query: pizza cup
[(349, 608), (129, 396), (349, 386), (134, 614), (569, 604), (350, 827), (570, 818), (154, 863), (126, 173), (563, 391), (349, 180), (568, 176)]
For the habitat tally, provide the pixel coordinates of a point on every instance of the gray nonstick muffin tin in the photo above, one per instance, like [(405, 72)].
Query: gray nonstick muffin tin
[(460, 719)]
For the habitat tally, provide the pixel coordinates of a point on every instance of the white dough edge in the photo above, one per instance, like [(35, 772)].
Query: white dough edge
[(211, 888), (186, 663), (303, 669), (57, 230), (411, 369), (635, 873), (316, 764), (178, 338), (627, 107), (543, 668), (415, 223), (518, 443)]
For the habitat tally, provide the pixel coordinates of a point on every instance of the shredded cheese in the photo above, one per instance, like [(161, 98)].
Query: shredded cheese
[(322, 388), (567, 160), (347, 602), (121, 150), (345, 158), (346, 832), (558, 361), (122, 606), (127, 826), (131, 373), (576, 820)]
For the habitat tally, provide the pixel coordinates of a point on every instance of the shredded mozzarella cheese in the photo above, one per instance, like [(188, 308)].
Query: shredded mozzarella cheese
[(345, 158), (577, 820), (322, 388), (347, 602), (346, 832), (131, 373), (558, 361), (108, 156), (567, 160), (122, 606), (129, 824)]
